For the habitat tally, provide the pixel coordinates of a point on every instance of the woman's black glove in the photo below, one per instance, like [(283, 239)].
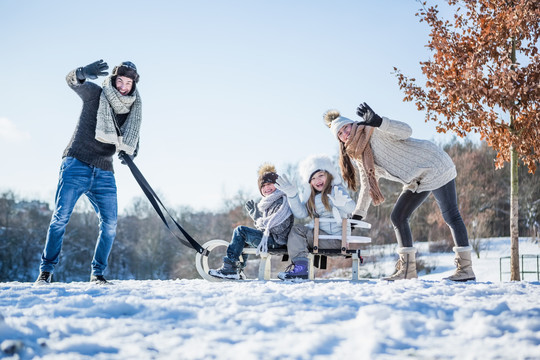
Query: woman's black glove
[(92, 71), (355, 217), (370, 118)]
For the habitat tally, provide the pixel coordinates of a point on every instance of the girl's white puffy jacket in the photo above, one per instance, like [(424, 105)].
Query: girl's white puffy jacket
[(333, 228)]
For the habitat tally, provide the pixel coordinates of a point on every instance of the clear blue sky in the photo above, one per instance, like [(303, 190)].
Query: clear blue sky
[(225, 85)]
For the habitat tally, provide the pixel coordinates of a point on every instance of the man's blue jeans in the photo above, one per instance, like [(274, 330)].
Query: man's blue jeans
[(243, 236), (78, 178)]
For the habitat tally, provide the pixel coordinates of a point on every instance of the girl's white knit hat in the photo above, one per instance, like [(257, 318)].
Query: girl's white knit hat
[(315, 163), (309, 166), (338, 123)]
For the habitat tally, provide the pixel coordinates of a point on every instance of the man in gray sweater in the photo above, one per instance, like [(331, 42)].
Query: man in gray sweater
[(109, 122)]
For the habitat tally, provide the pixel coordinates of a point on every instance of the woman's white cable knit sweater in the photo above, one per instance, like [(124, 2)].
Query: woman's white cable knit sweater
[(419, 165)]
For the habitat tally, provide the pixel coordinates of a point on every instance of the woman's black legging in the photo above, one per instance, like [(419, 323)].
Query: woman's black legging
[(446, 198)]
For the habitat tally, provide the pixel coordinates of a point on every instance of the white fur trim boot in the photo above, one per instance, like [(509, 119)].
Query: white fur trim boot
[(405, 266), (464, 271)]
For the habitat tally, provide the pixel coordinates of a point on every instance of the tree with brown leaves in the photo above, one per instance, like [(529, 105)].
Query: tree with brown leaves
[(484, 77)]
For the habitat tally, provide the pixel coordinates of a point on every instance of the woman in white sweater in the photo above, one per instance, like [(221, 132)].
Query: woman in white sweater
[(383, 148)]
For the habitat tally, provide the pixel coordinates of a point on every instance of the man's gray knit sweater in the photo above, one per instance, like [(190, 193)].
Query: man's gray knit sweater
[(83, 146)]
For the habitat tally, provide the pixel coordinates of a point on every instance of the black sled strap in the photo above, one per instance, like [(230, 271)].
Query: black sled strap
[(158, 205)]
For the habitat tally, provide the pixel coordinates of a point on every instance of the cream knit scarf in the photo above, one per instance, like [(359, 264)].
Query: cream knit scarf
[(111, 102), (359, 148), (267, 222)]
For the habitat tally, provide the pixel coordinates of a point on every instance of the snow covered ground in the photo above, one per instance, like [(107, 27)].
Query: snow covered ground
[(324, 319)]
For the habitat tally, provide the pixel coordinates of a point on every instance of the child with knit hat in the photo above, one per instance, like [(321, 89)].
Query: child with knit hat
[(327, 199), (273, 222), (383, 148)]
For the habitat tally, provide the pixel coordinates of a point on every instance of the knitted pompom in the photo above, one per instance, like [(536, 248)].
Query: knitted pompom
[(330, 116), (266, 168)]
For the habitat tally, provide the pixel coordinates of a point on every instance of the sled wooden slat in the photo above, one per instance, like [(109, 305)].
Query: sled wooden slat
[(350, 239), (316, 235)]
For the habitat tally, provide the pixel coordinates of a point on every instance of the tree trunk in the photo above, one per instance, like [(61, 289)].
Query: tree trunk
[(514, 208), (514, 196)]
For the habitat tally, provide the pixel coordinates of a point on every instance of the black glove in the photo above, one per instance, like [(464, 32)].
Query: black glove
[(370, 118), (252, 209), (92, 71), (123, 154), (355, 217)]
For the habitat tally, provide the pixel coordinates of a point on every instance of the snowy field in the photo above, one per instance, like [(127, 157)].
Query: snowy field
[(323, 319)]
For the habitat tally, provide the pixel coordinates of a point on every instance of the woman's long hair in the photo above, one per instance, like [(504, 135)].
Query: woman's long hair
[(347, 168), (310, 205), (348, 172)]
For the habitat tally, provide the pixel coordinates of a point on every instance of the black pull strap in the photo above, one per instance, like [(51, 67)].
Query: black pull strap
[(157, 204)]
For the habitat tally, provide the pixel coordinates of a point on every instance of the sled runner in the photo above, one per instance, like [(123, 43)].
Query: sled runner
[(350, 248)]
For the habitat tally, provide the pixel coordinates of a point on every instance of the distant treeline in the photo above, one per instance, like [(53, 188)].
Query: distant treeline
[(145, 249)]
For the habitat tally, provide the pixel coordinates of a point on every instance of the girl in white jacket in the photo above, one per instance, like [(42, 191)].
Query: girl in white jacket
[(381, 147), (328, 199)]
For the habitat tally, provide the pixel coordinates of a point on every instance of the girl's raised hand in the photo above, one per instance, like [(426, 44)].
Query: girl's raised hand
[(283, 184), (339, 199)]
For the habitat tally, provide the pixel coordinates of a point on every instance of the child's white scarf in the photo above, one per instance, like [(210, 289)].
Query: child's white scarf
[(267, 222)]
